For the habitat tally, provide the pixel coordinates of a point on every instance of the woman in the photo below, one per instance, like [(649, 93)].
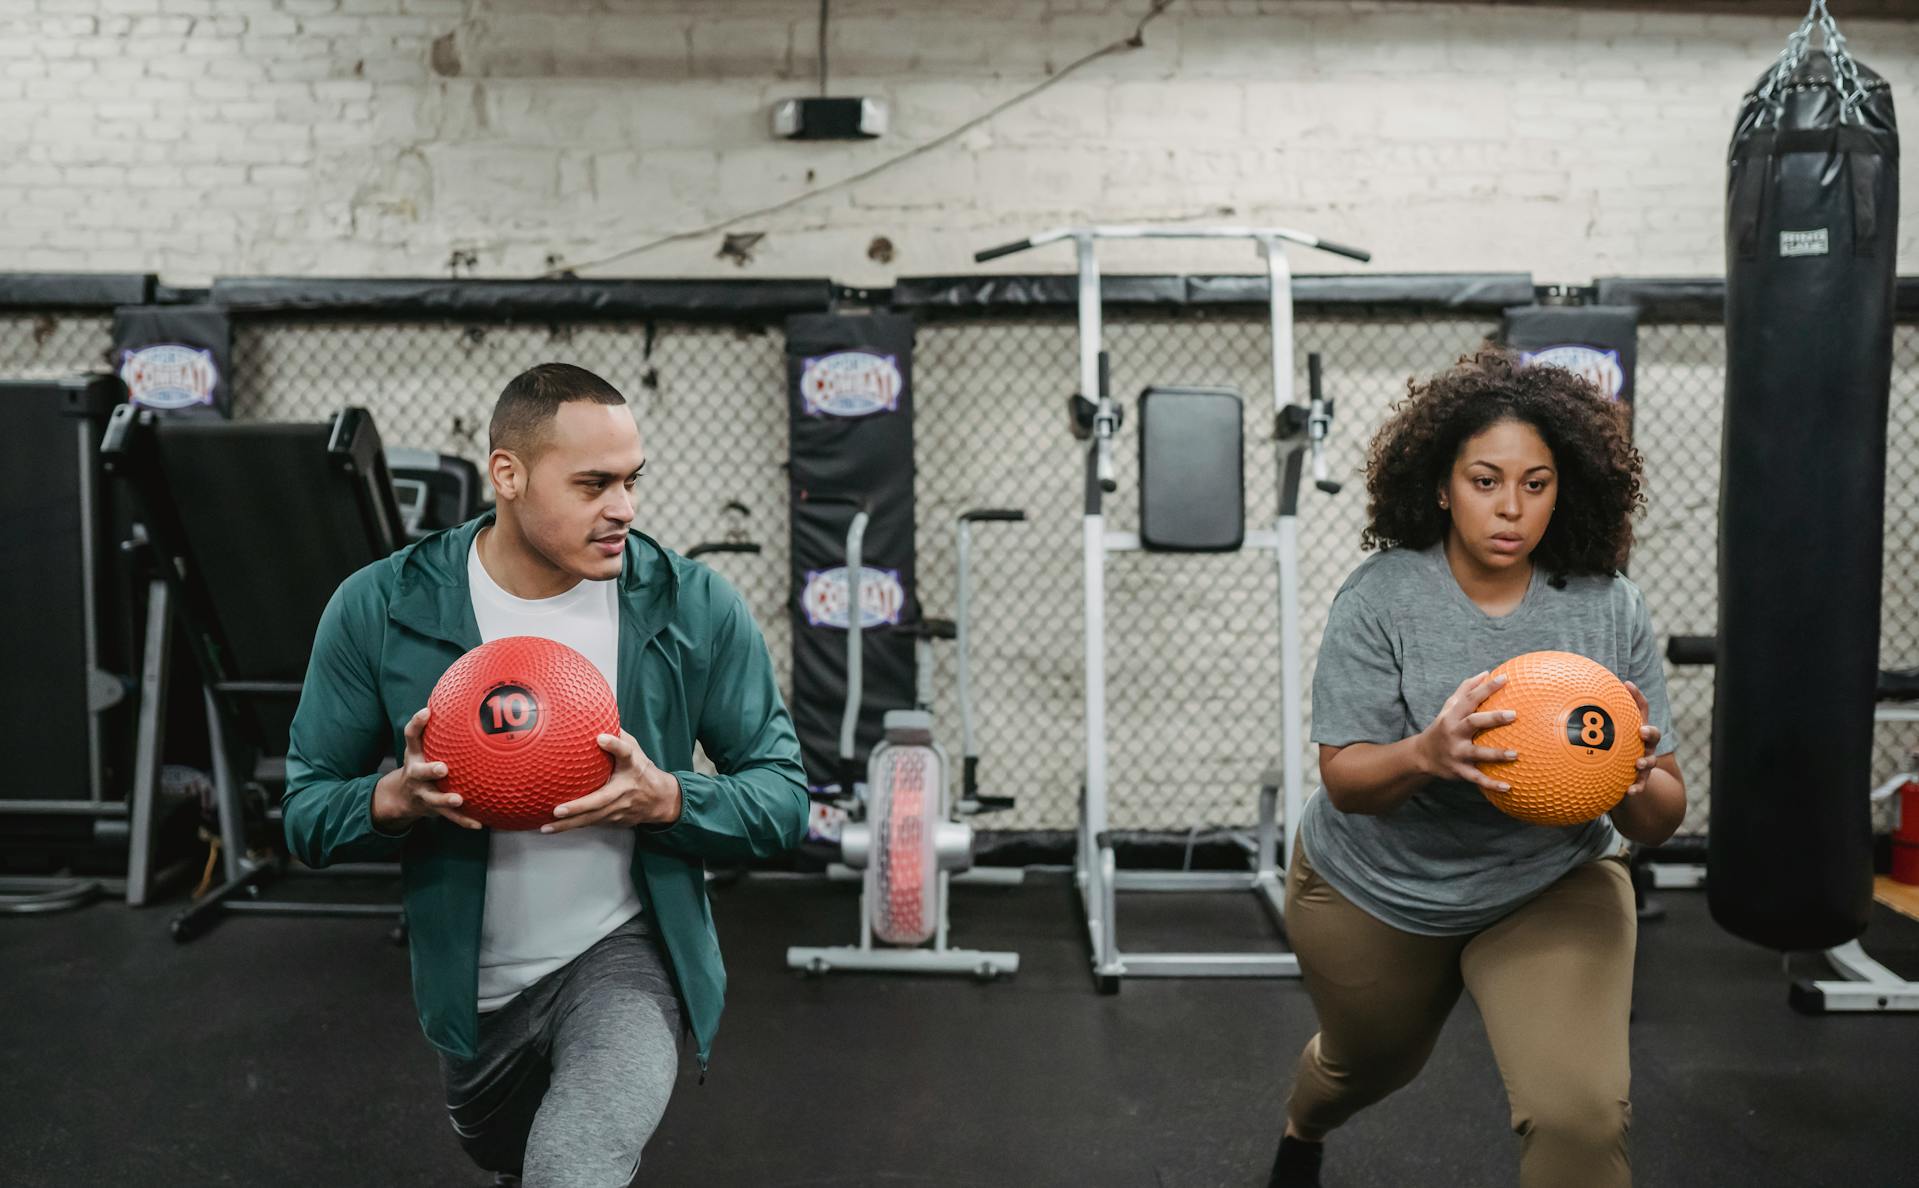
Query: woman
[(1501, 499)]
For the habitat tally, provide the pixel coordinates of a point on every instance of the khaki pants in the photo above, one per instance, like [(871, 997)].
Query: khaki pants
[(1553, 982)]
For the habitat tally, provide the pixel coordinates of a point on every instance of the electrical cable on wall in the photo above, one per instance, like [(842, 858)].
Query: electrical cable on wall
[(1136, 40)]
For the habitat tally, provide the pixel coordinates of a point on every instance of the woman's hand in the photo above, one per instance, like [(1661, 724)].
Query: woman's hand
[(1446, 749), (1654, 806), (1649, 736)]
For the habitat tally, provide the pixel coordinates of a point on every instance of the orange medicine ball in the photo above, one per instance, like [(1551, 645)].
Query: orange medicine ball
[(517, 723), (1577, 735)]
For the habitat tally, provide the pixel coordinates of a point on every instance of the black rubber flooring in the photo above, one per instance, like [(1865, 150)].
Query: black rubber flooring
[(279, 1051)]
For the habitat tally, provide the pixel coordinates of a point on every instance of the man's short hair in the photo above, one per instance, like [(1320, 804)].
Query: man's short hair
[(526, 407)]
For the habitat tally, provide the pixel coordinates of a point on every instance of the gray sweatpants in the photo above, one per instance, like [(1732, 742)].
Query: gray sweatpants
[(572, 1076)]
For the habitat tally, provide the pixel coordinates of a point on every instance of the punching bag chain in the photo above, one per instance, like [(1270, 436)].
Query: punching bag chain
[(1845, 72)]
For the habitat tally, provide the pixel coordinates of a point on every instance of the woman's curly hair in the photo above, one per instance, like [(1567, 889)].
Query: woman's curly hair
[(1412, 456)]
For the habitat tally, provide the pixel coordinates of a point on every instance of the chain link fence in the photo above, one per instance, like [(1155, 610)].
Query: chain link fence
[(51, 346), (708, 399), (1193, 664)]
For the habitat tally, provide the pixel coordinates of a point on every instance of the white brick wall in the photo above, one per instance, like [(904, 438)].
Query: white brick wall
[(376, 136)]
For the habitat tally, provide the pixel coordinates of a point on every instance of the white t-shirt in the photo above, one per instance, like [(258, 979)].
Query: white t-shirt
[(550, 896)]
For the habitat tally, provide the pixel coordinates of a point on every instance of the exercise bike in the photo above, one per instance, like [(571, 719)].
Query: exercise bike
[(906, 833)]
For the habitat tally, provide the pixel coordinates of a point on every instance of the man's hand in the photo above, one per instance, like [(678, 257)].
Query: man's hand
[(412, 790), (637, 793)]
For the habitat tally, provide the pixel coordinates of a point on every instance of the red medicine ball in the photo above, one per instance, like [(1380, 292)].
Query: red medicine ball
[(516, 722)]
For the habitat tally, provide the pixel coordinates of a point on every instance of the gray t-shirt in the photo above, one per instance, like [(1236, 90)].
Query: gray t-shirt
[(1399, 639)]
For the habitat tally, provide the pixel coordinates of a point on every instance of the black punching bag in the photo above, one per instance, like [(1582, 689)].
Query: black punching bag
[(1812, 207)]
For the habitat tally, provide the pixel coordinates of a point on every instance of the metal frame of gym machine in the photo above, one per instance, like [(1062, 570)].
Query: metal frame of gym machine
[(1297, 429), (352, 448), (861, 842), (1864, 986), (88, 401)]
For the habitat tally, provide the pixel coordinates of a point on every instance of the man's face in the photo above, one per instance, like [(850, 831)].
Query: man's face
[(573, 500)]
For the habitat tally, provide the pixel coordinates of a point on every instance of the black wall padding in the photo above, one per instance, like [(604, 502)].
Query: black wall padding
[(1599, 342), (74, 290), (1811, 227), (1435, 291), (490, 300), (150, 345), (850, 407)]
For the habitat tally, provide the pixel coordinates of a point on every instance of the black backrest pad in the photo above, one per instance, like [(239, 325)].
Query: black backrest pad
[(1192, 475)]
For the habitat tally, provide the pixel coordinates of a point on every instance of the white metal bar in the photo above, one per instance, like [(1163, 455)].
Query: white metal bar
[(870, 876), (226, 788), (1852, 960), (1185, 880), (1100, 894), (32, 883), (1896, 782), (960, 643), (268, 907), (1279, 309), (1291, 713), (148, 743), (946, 898), (1108, 951), (1090, 322), (1677, 876), (855, 631), (1210, 965), (104, 810), (971, 962), (90, 607), (1267, 854), (992, 876), (1122, 231), (1861, 997)]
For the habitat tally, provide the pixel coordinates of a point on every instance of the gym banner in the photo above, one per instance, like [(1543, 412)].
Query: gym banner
[(850, 410), (1598, 342), (175, 358)]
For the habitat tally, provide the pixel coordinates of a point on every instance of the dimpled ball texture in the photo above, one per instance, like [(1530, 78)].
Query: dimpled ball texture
[(1577, 735), (516, 722)]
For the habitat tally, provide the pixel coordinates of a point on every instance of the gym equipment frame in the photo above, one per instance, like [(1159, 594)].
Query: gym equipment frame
[(1297, 430)]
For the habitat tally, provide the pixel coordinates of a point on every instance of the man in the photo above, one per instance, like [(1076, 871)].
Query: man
[(553, 969)]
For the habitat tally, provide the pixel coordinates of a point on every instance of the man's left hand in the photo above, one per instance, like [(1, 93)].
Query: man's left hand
[(637, 793)]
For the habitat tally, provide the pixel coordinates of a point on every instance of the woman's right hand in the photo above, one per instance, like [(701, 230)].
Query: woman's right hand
[(1446, 747), (412, 790)]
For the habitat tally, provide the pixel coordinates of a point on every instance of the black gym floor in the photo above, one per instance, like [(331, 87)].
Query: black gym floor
[(280, 1051)]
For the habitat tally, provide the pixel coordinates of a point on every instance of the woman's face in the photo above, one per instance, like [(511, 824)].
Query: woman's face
[(1500, 494)]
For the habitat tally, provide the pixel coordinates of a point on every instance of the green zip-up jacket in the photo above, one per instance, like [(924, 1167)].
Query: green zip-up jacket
[(692, 667)]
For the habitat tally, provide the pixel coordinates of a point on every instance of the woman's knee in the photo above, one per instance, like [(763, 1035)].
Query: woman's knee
[(1594, 1118), (1365, 1076)]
